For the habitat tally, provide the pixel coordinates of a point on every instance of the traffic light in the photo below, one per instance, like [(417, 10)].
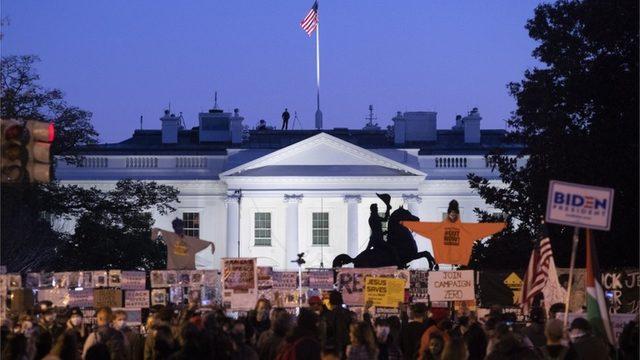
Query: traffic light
[(26, 151)]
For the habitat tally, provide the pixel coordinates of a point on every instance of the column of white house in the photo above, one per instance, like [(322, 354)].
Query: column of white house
[(291, 229), (352, 223), (233, 234)]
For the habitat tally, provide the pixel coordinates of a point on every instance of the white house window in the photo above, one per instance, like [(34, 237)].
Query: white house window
[(320, 225), (262, 228), (191, 223)]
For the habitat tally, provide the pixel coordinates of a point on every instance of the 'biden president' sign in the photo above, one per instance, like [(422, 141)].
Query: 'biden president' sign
[(579, 205)]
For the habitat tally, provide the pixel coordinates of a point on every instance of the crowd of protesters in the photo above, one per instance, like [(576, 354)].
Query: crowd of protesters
[(318, 331)]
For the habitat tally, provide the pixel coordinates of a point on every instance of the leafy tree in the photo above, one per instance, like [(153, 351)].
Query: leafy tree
[(113, 228), (116, 220), (577, 117)]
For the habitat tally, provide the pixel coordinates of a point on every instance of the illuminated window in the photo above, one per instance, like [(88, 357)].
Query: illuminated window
[(320, 226), (191, 224), (262, 229)]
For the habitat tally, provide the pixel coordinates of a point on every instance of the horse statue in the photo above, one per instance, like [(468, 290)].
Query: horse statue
[(399, 240)]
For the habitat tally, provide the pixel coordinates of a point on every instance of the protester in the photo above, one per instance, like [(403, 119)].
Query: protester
[(105, 334), (258, 319), (412, 331), (473, 336), (455, 349), (241, 348), (363, 346), (387, 347), (629, 341), (441, 328), (436, 346), (47, 330), (535, 330), (337, 321), (272, 340), (554, 349), (134, 343), (303, 342), (585, 344)]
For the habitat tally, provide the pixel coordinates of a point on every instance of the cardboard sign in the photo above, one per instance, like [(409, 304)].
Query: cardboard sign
[(285, 280), (133, 280), (451, 285), (211, 277), (81, 298), (579, 205), (239, 283), (321, 279), (136, 299), (115, 278), (158, 297), (100, 279), (384, 292), (107, 297), (158, 279), (350, 282), (418, 286)]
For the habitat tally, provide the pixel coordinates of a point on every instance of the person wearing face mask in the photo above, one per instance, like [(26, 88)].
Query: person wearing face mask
[(76, 324), (47, 331), (387, 348), (105, 334), (133, 341)]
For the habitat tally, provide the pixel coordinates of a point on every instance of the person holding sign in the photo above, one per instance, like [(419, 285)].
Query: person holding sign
[(181, 249)]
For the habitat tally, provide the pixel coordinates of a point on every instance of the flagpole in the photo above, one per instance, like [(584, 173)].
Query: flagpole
[(318, 112), (574, 248)]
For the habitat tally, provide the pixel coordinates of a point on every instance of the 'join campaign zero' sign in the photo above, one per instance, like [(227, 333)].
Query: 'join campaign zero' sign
[(579, 205), (451, 285)]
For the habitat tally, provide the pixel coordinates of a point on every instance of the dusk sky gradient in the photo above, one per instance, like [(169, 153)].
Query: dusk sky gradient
[(122, 59)]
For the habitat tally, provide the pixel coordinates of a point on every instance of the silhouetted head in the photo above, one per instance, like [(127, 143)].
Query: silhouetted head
[(402, 214), (178, 226), (374, 208)]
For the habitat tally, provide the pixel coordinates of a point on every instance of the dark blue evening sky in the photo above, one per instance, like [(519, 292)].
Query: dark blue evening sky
[(122, 59)]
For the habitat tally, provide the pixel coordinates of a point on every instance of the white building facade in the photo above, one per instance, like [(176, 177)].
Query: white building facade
[(272, 194)]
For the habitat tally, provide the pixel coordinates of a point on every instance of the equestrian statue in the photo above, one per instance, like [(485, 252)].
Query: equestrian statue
[(398, 250)]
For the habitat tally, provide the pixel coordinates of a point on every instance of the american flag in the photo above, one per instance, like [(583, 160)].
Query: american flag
[(537, 274), (310, 22)]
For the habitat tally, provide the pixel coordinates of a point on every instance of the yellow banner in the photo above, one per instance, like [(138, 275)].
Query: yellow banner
[(384, 292)]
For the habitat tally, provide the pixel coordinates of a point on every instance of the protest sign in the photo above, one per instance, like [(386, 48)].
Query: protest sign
[(58, 297), (32, 281), (210, 278), (623, 290), (15, 281), (133, 280), (176, 294), (285, 280), (321, 279), (81, 298), (114, 278), (171, 278), (158, 297), (158, 279), (184, 278), (86, 279), (61, 279), (107, 297), (451, 285), (350, 282), (384, 292), (418, 286), (579, 205), (196, 277), (239, 283), (136, 298), (288, 298), (100, 279)]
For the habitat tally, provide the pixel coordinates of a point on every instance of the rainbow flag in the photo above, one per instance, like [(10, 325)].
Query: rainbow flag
[(597, 310)]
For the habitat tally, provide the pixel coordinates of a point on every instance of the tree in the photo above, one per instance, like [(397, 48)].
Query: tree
[(113, 228), (577, 118), (119, 217)]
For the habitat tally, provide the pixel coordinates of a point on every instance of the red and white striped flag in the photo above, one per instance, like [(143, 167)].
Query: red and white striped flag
[(541, 276), (310, 22)]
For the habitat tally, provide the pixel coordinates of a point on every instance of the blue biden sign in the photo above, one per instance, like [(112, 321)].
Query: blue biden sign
[(579, 205)]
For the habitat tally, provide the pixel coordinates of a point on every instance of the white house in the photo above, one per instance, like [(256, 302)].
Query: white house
[(271, 194)]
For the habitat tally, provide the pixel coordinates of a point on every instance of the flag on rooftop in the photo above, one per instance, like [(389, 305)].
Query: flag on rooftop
[(597, 310), (310, 22)]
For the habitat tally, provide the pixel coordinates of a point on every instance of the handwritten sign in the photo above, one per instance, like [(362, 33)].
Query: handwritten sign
[(136, 299), (158, 297), (58, 297), (133, 280), (418, 286), (451, 285), (321, 279), (107, 297), (239, 283), (81, 298), (285, 280), (350, 282), (579, 205), (384, 292)]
